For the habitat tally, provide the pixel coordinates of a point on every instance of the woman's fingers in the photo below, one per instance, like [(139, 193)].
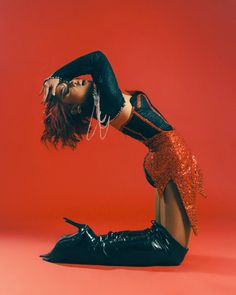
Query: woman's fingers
[(44, 87), (50, 83), (46, 92), (40, 92), (54, 86)]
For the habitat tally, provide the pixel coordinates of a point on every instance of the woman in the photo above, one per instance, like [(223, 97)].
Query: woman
[(169, 165)]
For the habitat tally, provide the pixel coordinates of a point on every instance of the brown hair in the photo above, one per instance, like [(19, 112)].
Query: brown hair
[(60, 126)]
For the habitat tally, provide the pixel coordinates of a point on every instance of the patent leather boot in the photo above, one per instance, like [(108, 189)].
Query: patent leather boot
[(149, 247), (76, 248)]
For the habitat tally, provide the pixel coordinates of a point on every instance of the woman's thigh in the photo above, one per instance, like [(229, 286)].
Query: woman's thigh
[(171, 213)]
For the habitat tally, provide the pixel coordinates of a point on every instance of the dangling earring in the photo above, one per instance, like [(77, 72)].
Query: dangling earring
[(76, 110), (79, 109)]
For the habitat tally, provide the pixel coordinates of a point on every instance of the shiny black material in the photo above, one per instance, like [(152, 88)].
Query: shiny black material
[(98, 66), (145, 120), (149, 247)]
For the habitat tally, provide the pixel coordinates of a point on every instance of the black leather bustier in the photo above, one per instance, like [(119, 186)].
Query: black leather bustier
[(144, 122)]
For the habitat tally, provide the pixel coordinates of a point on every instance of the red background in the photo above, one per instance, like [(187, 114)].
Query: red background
[(182, 54)]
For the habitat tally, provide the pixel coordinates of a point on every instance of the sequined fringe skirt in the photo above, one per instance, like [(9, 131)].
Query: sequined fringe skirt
[(170, 158)]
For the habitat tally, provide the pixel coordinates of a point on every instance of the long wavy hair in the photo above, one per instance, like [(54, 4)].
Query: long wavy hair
[(63, 127)]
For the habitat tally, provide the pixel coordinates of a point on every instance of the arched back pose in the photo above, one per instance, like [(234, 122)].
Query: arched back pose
[(169, 165)]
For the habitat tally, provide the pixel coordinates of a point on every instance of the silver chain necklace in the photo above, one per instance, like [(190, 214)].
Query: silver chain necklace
[(96, 105)]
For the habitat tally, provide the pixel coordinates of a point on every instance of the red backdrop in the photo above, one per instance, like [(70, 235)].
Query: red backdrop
[(181, 53)]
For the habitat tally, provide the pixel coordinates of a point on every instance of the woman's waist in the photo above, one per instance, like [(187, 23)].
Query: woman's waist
[(167, 137)]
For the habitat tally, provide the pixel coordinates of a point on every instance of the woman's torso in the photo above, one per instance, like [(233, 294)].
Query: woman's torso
[(140, 119)]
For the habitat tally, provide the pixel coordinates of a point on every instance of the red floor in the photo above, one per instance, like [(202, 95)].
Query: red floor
[(209, 268)]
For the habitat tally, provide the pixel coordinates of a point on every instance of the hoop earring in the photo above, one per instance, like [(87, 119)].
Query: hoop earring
[(76, 110), (79, 109)]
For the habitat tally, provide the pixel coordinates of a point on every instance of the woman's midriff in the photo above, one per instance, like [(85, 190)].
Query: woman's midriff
[(124, 115)]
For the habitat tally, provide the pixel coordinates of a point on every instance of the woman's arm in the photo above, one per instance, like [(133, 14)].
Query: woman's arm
[(97, 65)]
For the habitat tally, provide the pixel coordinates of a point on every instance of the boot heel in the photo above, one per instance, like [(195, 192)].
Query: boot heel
[(76, 224)]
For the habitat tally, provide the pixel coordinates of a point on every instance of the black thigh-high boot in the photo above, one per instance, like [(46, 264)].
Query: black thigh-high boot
[(149, 247)]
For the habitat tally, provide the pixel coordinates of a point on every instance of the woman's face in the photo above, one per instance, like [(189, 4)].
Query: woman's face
[(74, 92)]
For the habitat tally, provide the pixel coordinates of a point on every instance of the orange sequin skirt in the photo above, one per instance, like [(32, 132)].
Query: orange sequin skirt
[(170, 158)]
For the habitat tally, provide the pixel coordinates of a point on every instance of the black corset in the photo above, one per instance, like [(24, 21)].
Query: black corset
[(145, 120)]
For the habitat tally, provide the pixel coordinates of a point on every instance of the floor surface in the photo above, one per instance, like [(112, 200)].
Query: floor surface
[(209, 268)]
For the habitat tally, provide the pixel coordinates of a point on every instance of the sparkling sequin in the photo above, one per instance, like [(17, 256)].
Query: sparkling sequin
[(169, 157)]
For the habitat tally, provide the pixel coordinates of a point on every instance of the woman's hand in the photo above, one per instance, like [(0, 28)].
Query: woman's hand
[(49, 84)]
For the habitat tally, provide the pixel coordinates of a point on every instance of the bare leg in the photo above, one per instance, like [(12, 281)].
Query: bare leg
[(171, 213)]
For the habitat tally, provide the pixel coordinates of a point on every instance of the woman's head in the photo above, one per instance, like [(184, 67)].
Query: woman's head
[(63, 120), (74, 92)]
